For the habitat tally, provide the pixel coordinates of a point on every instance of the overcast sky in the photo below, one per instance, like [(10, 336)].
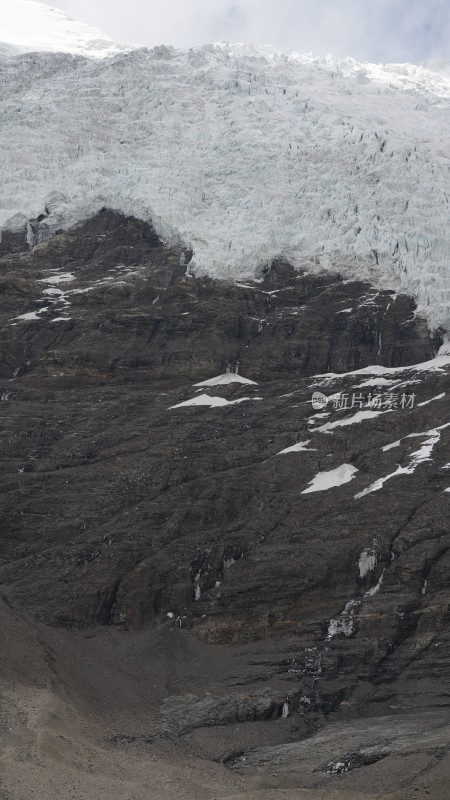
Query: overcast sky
[(368, 30)]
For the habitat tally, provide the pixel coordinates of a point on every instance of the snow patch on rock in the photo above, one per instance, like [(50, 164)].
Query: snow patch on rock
[(416, 458), (212, 402), (300, 447), (432, 399), (334, 477), (360, 416), (225, 379)]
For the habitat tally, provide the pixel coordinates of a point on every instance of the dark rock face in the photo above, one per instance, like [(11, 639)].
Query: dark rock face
[(133, 314), (120, 510), (13, 242)]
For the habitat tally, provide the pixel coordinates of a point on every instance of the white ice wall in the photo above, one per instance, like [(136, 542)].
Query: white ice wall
[(245, 155)]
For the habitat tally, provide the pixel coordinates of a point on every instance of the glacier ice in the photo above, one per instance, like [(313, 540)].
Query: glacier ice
[(242, 153)]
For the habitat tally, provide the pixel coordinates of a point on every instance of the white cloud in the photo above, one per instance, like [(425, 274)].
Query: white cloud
[(373, 30)]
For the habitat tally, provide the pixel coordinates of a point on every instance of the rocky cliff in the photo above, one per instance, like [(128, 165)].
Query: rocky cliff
[(263, 582)]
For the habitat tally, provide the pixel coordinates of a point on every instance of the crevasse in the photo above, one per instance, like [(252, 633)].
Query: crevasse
[(244, 154)]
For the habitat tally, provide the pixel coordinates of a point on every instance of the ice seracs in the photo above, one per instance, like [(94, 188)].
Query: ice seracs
[(242, 153)]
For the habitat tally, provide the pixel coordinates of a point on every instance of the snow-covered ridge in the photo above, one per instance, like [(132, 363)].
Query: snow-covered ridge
[(244, 154), (431, 77), (29, 26)]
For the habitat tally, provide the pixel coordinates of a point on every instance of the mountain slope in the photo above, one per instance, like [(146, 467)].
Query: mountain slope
[(243, 154), (242, 596), (214, 585)]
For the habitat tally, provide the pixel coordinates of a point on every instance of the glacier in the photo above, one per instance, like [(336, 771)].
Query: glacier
[(242, 153), (31, 26)]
